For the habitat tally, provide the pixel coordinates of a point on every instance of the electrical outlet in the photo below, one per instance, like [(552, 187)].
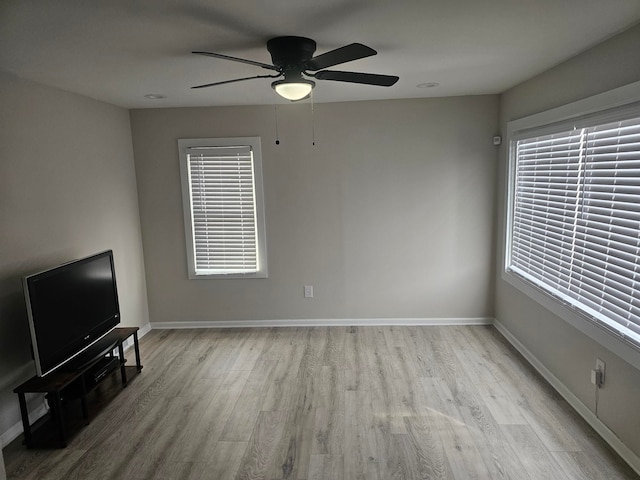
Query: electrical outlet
[(600, 366), (308, 291)]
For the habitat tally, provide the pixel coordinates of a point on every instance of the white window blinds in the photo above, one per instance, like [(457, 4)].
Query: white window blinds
[(225, 228), (575, 220)]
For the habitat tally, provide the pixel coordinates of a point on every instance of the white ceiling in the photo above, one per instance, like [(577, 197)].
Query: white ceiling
[(119, 50)]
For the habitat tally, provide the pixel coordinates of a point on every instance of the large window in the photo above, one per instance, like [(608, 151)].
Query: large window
[(223, 207), (574, 217)]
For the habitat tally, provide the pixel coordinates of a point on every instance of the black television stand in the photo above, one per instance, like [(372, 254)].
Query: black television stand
[(76, 380), (99, 349)]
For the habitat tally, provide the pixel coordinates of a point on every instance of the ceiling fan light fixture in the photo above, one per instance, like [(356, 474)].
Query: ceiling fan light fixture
[(293, 89)]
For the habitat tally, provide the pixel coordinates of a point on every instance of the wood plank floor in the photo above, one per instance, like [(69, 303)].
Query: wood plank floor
[(336, 403)]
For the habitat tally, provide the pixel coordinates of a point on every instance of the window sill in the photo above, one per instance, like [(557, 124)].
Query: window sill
[(228, 276)]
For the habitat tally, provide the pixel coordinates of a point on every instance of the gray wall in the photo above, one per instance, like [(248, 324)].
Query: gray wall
[(67, 190), (567, 353), (389, 215), (3, 473)]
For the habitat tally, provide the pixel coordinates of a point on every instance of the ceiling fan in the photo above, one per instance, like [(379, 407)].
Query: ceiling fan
[(293, 57)]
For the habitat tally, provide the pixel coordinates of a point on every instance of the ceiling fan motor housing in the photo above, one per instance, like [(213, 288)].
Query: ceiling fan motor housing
[(291, 53)]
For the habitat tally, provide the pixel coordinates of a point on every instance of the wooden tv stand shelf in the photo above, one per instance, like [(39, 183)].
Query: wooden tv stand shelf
[(69, 383)]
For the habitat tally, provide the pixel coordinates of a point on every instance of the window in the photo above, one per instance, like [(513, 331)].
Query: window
[(574, 216), (223, 207)]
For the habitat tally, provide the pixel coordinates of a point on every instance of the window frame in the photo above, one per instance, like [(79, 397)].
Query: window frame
[(261, 247), (611, 102)]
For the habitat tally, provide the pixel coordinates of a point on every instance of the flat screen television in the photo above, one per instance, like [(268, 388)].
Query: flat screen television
[(70, 307)]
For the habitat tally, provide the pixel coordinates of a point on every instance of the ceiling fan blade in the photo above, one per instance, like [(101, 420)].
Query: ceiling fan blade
[(236, 59), (348, 53), (356, 77), (234, 80)]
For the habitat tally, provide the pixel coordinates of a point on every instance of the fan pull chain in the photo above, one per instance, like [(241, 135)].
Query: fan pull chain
[(275, 113), (313, 122)]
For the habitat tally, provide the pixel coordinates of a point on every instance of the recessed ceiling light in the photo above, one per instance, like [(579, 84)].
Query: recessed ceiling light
[(428, 85), (155, 96)]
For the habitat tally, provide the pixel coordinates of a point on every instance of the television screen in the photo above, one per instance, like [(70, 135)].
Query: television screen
[(70, 307)]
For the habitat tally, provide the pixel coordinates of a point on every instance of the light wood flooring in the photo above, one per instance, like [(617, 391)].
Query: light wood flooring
[(375, 403)]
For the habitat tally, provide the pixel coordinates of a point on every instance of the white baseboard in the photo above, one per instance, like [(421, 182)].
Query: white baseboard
[(21, 374), (608, 436), (322, 322), (128, 343), (18, 376), (15, 431), (26, 372), (144, 330)]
